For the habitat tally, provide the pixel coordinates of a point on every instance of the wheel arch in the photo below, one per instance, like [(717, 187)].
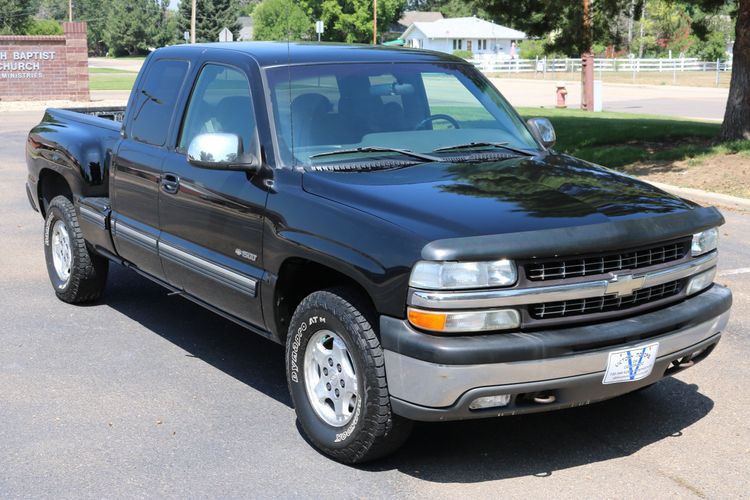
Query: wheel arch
[(297, 278), (51, 183)]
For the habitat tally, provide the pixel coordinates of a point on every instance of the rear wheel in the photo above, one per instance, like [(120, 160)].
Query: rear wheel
[(336, 375), (76, 272)]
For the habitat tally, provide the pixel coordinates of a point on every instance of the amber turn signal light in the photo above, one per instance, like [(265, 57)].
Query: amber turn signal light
[(427, 320)]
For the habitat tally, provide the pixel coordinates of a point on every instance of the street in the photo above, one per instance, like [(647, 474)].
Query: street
[(698, 103), (146, 395)]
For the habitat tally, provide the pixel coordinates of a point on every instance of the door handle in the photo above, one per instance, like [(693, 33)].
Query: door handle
[(170, 183)]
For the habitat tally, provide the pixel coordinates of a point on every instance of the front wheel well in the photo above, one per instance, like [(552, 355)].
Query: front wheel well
[(51, 184), (298, 278)]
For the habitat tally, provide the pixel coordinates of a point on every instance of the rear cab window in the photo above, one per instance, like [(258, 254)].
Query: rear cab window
[(156, 99)]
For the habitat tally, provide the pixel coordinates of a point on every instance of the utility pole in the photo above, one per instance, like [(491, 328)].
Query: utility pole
[(70, 11), (587, 62), (192, 24), (374, 22)]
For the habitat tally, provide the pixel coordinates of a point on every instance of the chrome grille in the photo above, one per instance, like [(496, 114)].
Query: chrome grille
[(587, 266), (604, 304)]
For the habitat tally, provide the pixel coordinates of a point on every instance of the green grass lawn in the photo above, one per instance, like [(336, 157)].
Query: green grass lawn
[(104, 80), (110, 70), (619, 139)]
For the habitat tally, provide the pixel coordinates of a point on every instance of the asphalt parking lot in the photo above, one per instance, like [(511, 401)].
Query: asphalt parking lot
[(145, 395)]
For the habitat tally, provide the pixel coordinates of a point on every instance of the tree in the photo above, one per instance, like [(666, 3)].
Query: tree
[(351, 20), (280, 20), (15, 16), (210, 18), (53, 9), (96, 14), (132, 26), (736, 124), (562, 19), (459, 8)]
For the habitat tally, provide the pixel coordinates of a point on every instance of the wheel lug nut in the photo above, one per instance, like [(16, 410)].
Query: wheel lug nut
[(328, 386), (325, 371), (337, 393), (330, 362), (342, 383), (338, 367)]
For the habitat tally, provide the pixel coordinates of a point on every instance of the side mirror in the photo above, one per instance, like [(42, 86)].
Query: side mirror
[(220, 151), (543, 131)]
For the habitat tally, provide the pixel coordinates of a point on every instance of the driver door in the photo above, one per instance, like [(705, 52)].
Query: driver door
[(212, 220)]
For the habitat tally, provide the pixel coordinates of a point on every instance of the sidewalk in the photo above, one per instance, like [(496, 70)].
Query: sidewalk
[(99, 98)]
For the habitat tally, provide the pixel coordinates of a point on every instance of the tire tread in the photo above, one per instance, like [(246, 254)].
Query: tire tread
[(89, 271), (382, 431)]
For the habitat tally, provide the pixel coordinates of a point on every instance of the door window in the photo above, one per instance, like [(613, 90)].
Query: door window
[(220, 102), (156, 101)]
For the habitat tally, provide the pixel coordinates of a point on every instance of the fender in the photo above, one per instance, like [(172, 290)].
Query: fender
[(376, 254), (81, 154)]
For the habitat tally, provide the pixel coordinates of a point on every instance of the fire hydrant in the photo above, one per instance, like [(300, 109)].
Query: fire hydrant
[(561, 93)]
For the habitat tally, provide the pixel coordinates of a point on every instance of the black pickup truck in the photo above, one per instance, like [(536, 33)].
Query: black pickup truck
[(422, 252)]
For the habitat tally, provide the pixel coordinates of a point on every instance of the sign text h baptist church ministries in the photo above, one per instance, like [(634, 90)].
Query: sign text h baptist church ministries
[(45, 67)]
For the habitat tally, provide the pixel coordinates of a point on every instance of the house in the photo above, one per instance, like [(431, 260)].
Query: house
[(481, 37), (410, 17), (246, 28)]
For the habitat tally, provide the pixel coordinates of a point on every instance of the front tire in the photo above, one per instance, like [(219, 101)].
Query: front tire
[(336, 375), (76, 272)]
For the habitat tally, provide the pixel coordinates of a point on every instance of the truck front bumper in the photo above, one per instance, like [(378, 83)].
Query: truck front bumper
[(434, 377)]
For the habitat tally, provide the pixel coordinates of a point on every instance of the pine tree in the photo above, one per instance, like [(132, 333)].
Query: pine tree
[(132, 26), (211, 17), (15, 16)]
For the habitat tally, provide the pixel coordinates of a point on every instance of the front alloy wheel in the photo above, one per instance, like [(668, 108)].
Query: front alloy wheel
[(330, 378), (336, 376)]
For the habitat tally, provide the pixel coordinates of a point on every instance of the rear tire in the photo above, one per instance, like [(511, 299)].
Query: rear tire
[(76, 272), (345, 411)]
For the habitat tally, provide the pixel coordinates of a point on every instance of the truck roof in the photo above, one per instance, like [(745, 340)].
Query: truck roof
[(283, 53)]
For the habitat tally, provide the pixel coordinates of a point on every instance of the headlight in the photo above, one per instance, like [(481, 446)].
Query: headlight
[(459, 275), (704, 242)]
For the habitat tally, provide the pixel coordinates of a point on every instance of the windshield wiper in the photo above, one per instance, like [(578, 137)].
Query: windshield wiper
[(377, 149), (472, 145)]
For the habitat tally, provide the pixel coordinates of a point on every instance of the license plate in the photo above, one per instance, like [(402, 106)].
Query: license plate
[(631, 364)]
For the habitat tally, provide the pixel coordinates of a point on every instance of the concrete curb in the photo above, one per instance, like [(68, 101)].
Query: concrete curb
[(706, 197)]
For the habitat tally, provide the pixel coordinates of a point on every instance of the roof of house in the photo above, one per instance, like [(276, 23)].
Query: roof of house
[(464, 27), (415, 16)]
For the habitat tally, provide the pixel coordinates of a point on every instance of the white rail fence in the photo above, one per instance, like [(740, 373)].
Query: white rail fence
[(631, 65)]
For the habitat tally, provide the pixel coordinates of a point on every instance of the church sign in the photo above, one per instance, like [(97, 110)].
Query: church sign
[(45, 67)]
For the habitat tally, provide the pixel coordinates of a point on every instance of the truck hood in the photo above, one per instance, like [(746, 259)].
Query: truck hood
[(449, 200)]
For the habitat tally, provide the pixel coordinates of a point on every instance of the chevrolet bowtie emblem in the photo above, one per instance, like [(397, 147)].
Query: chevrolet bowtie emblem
[(624, 284)]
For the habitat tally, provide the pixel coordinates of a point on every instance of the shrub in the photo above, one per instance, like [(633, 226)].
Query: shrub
[(44, 27), (531, 49), (463, 54)]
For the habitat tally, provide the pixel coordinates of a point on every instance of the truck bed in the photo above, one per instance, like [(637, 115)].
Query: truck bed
[(76, 143), (104, 117)]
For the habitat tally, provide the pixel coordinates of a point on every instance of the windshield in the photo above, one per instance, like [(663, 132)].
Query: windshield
[(359, 108)]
